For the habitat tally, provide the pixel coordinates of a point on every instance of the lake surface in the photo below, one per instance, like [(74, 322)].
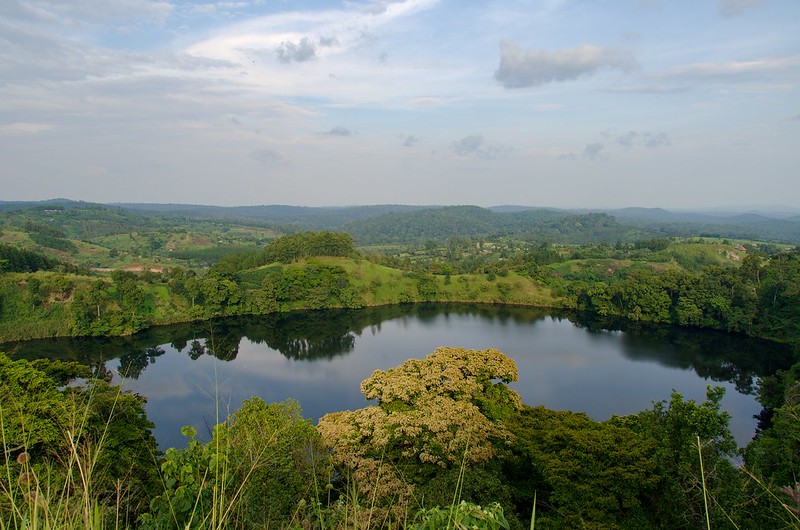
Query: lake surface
[(193, 374)]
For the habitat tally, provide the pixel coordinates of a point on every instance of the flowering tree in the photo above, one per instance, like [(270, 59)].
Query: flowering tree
[(431, 415)]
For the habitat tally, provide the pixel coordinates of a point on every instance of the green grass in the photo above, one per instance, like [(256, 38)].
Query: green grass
[(694, 256), (382, 285)]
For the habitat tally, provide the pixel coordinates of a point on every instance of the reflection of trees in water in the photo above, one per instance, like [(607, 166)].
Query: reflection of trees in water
[(196, 350), (223, 343), (132, 364), (101, 371), (310, 335), (316, 335), (715, 355), (304, 349)]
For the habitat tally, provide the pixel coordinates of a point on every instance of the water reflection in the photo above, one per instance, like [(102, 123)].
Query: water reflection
[(315, 335), (566, 360), (721, 357)]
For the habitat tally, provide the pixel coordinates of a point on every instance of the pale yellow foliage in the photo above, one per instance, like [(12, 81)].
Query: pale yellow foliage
[(428, 415), (457, 372)]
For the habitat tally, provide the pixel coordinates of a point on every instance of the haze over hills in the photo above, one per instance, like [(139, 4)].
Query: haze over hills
[(395, 223)]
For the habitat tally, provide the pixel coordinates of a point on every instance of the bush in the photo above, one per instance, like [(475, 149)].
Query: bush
[(259, 466)]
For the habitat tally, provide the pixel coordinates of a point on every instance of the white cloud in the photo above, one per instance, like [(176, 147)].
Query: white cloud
[(521, 69), (338, 30), (78, 13), (736, 71), (764, 74), (25, 128)]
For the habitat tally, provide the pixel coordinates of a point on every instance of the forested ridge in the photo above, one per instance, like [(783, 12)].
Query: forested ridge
[(405, 453), (713, 285)]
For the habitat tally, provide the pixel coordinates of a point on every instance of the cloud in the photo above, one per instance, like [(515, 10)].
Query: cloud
[(338, 131), (647, 89), (754, 70), (590, 152), (267, 156), (655, 140), (305, 50), (328, 42), (729, 8), (25, 128), (476, 145), (410, 141), (522, 69), (378, 7), (628, 140), (76, 13), (468, 145), (593, 151), (640, 139), (771, 73)]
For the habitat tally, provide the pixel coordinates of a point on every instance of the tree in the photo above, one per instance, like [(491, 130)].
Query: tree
[(674, 429), (96, 429), (259, 466), (586, 474), (291, 248), (432, 415)]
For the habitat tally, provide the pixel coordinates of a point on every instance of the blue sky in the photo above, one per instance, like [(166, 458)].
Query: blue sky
[(676, 104)]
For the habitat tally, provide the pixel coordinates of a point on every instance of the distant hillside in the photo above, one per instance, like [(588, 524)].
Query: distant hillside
[(440, 224), (404, 223), (303, 217), (74, 220), (9, 206), (749, 225)]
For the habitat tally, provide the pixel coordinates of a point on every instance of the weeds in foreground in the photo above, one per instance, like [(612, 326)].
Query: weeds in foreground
[(262, 469), (788, 516), (44, 495)]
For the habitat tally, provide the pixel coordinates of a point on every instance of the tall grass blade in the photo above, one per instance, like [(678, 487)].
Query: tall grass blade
[(703, 478)]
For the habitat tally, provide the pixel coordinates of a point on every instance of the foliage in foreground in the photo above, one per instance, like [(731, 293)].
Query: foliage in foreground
[(256, 470), (85, 450), (446, 436)]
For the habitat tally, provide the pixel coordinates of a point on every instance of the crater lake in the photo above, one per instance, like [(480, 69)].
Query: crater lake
[(197, 373)]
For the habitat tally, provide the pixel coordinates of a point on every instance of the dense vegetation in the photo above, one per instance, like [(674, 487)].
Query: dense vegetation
[(441, 430), (715, 284), (444, 436)]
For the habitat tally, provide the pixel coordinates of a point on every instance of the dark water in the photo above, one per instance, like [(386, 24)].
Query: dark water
[(196, 373)]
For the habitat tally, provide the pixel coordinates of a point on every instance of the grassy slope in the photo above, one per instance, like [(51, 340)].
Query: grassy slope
[(20, 318), (382, 285)]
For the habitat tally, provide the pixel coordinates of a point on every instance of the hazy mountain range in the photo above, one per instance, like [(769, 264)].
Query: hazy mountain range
[(404, 223)]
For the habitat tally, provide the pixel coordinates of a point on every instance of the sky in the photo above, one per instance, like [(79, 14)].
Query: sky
[(558, 103)]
